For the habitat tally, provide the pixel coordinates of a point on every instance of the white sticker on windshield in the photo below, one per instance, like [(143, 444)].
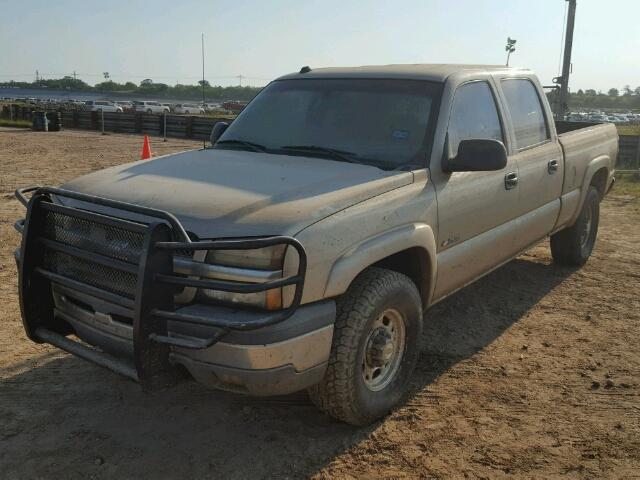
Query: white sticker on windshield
[(400, 134)]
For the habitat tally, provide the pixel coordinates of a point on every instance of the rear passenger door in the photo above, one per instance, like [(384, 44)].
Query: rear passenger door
[(476, 210), (537, 152)]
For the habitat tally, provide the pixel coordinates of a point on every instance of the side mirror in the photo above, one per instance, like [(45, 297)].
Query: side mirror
[(217, 131), (478, 155)]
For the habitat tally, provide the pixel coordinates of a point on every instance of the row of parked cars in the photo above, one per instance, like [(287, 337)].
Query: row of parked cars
[(142, 106), (602, 117), (149, 106)]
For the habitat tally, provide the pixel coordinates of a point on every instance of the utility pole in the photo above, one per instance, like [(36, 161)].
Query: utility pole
[(240, 79), (74, 76), (563, 81), (37, 79)]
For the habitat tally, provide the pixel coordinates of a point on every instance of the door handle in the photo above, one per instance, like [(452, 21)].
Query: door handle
[(552, 166), (510, 180)]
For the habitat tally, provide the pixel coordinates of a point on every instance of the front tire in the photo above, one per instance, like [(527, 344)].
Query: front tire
[(375, 348), (573, 245)]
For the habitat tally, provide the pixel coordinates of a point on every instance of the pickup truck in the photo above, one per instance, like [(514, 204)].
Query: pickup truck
[(302, 248)]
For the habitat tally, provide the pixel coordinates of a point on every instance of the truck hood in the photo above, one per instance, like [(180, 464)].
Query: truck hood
[(222, 193)]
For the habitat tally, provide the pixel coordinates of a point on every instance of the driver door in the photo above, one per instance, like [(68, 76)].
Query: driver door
[(477, 211)]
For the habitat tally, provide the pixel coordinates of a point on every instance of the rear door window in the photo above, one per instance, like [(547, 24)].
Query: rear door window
[(527, 114)]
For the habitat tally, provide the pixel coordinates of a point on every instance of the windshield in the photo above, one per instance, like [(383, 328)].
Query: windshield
[(383, 122)]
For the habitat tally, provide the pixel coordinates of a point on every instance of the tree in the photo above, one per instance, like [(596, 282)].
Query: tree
[(613, 92), (627, 90), (580, 93), (204, 82), (590, 91), (106, 75), (636, 90), (147, 82)]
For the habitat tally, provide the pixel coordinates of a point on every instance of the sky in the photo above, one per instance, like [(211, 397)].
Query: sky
[(262, 40)]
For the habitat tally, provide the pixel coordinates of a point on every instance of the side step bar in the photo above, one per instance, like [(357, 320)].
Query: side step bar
[(103, 359)]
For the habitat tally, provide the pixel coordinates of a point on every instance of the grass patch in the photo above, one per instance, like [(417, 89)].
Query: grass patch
[(627, 185), (15, 123), (628, 129)]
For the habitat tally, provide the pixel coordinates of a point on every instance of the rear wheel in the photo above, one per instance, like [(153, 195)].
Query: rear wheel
[(375, 348), (573, 245), (149, 111)]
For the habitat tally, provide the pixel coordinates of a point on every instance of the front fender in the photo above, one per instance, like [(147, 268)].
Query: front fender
[(374, 249)]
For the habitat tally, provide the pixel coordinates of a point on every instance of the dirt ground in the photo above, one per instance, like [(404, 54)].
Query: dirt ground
[(532, 372)]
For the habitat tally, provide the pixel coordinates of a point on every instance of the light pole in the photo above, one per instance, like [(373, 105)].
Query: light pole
[(510, 47)]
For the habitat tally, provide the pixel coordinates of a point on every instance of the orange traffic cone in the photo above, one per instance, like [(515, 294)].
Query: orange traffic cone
[(146, 149)]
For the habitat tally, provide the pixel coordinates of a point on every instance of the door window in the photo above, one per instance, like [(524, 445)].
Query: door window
[(473, 115), (526, 111)]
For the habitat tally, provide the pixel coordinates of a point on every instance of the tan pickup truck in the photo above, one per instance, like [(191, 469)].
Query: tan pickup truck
[(303, 247)]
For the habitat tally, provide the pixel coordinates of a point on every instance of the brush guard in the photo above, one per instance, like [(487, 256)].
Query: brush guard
[(143, 282)]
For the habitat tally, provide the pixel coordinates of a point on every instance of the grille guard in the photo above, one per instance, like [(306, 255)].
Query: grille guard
[(152, 304)]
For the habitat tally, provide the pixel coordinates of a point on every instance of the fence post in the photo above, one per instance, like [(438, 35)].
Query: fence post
[(189, 127), (164, 128), (102, 121)]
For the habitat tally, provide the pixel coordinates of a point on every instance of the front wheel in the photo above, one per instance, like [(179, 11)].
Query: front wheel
[(149, 111), (573, 245), (375, 348)]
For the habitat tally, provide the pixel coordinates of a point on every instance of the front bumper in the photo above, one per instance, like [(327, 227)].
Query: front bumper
[(112, 283), (275, 360)]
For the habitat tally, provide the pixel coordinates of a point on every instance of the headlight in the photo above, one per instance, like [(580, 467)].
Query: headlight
[(247, 266)]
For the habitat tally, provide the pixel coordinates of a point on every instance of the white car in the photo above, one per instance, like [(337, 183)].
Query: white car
[(212, 107), (151, 107), (102, 106), (187, 108)]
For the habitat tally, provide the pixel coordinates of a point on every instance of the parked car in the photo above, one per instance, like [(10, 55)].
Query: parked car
[(212, 107), (124, 104), (101, 106), (187, 108), (301, 250), (598, 117), (151, 107), (234, 106)]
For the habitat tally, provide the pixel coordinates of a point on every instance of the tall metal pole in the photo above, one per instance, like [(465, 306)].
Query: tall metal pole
[(563, 98), (204, 142)]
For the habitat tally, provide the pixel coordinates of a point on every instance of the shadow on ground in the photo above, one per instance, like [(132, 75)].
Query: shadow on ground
[(67, 418)]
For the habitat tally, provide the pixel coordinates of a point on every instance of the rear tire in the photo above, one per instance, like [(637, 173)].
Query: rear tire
[(375, 348), (573, 245)]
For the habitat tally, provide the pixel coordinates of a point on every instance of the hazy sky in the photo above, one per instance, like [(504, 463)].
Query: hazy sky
[(261, 40)]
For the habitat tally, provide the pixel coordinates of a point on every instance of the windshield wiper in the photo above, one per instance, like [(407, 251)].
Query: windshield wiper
[(336, 154), (255, 147)]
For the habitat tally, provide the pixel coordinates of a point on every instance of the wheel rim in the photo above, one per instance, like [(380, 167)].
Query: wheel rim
[(383, 350), (586, 234)]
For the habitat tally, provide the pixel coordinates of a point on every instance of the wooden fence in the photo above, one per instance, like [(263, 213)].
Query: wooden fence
[(178, 126), (629, 153)]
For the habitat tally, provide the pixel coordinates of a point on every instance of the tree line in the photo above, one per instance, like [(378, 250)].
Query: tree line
[(146, 88), (626, 99)]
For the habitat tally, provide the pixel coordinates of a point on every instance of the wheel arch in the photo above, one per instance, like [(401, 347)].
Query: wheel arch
[(410, 250)]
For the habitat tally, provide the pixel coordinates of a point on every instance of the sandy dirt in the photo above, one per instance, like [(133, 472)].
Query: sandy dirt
[(532, 372)]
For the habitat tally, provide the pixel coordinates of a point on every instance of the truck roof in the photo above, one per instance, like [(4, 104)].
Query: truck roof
[(419, 71)]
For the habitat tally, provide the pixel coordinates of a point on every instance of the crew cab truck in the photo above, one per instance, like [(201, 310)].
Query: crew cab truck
[(303, 247)]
